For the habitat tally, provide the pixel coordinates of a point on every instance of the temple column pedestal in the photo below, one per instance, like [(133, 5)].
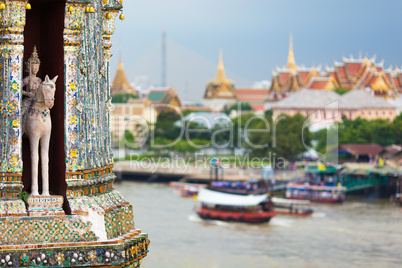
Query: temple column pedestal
[(45, 205)]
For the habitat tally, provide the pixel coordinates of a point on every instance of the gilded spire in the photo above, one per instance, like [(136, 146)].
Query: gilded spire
[(291, 59), (120, 83), (220, 75)]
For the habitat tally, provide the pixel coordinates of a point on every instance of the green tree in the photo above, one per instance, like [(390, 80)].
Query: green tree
[(396, 128), (242, 106), (123, 97), (341, 90), (286, 138)]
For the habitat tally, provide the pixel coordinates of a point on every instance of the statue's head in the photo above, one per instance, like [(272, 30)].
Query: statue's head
[(33, 63), (49, 89)]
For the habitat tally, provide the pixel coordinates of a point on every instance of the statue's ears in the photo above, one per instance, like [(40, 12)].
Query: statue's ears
[(47, 79)]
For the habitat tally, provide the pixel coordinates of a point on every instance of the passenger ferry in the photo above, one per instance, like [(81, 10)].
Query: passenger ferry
[(216, 205)]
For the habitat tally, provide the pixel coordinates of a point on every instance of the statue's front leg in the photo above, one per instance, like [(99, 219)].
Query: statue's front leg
[(34, 143), (44, 154)]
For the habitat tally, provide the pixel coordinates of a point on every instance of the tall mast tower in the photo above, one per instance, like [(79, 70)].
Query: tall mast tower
[(163, 67)]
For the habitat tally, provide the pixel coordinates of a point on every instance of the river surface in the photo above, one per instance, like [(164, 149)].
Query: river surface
[(358, 233)]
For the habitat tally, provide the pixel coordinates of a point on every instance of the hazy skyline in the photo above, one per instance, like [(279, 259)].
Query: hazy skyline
[(253, 35)]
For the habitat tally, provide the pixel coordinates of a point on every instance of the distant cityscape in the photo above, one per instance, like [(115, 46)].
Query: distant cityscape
[(356, 87)]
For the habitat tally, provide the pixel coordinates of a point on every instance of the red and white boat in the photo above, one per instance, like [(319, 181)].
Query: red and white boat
[(215, 205)]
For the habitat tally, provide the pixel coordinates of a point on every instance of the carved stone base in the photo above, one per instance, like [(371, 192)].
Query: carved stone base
[(45, 205)]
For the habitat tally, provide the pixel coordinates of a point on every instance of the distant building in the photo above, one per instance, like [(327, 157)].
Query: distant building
[(360, 152), (120, 83), (136, 116), (256, 97), (164, 99), (323, 105), (220, 91), (351, 73)]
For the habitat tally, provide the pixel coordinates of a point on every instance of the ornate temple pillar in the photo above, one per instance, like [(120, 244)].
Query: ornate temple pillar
[(109, 14), (12, 22), (74, 67)]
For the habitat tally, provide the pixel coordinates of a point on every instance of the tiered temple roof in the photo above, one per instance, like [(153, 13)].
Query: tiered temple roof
[(120, 83), (351, 73), (291, 78)]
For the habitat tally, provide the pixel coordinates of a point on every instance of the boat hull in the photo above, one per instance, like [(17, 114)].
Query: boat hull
[(231, 216)]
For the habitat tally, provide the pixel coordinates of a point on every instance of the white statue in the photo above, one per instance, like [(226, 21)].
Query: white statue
[(38, 127)]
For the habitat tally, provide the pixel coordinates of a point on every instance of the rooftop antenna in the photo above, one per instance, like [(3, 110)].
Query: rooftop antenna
[(163, 67)]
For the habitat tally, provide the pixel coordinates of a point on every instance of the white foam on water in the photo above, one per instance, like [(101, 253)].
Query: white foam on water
[(278, 221), (194, 218), (318, 215)]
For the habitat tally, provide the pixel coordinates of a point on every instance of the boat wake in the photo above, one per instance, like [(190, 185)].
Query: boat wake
[(195, 218), (318, 215), (278, 221)]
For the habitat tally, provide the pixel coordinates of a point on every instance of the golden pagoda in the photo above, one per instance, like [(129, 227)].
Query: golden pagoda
[(291, 65), (220, 87), (120, 83)]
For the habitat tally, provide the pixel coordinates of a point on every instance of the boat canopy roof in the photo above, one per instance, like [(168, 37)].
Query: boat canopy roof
[(226, 199)]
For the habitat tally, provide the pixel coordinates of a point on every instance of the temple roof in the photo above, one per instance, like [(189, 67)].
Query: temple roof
[(120, 83)]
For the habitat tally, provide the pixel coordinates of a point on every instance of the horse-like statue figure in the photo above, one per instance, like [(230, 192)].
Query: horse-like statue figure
[(38, 127)]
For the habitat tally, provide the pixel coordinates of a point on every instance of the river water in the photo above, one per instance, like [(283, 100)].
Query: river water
[(358, 233)]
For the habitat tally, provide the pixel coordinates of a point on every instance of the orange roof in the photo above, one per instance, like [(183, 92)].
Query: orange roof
[(319, 84), (334, 75), (353, 68), (342, 72), (388, 77), (252, 91), (248, 99), (284, 76), (373, 79), (304, 76), (397, 82)]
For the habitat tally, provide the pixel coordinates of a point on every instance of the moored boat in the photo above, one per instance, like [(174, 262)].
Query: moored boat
[(315, 193), (215, 205), (292, 207), (319, 184)]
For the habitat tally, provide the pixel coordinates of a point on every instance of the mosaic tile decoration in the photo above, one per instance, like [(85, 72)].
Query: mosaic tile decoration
[(45, 205), (36, 230), (100, 203), (12, 207), (128, 251), (119, 221)]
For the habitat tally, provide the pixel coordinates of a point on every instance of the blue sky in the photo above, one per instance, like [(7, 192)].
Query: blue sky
[(254, 36)]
